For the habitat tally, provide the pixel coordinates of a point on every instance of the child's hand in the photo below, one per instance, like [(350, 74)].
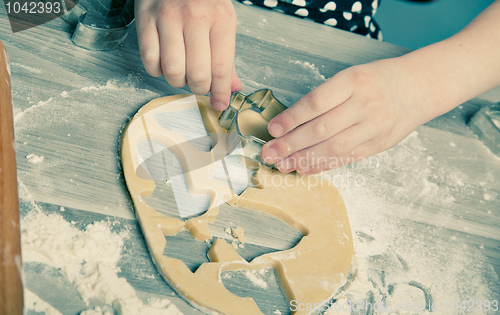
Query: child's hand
[(358, 112), (190, 41), (366, 109)]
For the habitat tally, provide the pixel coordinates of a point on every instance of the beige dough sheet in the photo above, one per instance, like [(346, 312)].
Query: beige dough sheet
[(310, 273)]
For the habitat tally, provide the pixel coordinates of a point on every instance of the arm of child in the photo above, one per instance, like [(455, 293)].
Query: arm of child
[(190, 42), (369, 108)]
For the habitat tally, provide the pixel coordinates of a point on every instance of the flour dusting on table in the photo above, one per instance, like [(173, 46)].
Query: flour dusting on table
[(34, 159), (26, 68), (58, 127), (253, 276), (404, 265), (310, 67), (34, 302), (88, 258)]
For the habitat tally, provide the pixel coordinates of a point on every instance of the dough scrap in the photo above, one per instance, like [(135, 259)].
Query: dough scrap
[(239, 234), (252, 123), (310, 273)]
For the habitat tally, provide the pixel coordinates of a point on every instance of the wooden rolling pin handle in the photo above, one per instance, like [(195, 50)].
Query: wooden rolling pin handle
[(11, 289)]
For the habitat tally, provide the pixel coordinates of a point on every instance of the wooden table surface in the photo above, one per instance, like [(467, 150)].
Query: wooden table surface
[(431, 204)]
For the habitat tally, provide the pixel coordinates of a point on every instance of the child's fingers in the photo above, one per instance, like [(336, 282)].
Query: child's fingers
[(222, 43), (313, 132), (173, 60), (198, 58), (328, 95), (235, 82), (149, 46), (335, 147)]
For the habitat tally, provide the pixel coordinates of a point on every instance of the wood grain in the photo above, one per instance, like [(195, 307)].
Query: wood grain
[(11, 290)]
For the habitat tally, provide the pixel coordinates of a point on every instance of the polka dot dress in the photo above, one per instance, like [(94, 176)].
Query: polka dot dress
[(351, 15)]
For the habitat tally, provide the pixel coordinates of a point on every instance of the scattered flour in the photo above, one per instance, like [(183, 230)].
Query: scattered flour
[(31, 69), (110, 85), (97, 311), (311, 67), (34, 159), (79, 101), (399, 262), (20, 115), (88, 258), (258, 282), (34, 302), (61, 123)]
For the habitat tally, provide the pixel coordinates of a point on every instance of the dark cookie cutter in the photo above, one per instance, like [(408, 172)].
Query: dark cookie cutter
[(101, 24)]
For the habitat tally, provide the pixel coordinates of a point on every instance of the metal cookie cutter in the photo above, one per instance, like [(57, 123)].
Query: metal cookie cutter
[(264, 107), (486, 125), (101, 24)]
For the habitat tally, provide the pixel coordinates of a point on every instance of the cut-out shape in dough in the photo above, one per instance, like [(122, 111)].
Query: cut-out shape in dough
[(309, 273)]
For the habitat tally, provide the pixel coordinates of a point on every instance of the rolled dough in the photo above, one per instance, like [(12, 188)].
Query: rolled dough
[(252, 123), (309, 273)]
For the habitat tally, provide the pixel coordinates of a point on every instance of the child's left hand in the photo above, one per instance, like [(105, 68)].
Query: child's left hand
[(358, 112), (369, 108)]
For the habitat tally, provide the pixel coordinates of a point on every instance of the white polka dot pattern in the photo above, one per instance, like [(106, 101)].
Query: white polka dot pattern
[(356, 7), (299, 3), (331, 6), (372, 27), (331, 22), (367, 21), (351, 15), (302, 12), (271, 3)]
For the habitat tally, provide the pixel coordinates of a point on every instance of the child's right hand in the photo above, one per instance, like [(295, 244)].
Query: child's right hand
[(190, 41)]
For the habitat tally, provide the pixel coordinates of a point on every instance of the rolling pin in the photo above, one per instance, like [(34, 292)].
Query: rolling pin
[(11, 289)]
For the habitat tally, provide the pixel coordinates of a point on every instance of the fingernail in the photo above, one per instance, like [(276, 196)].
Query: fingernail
[(276, 130), (304, 171), (219, 106), (270, 154), (284, 166)]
